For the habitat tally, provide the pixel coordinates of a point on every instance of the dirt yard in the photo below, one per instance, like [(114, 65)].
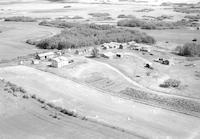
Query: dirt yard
[(132, 65), (90, 72), (110, 109)]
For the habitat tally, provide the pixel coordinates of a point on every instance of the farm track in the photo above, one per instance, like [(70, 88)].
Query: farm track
[(141, 87)]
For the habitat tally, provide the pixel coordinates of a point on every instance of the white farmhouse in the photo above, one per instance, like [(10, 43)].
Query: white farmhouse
[(59, 62)]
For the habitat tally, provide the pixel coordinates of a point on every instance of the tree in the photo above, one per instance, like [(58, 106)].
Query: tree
[(95, 52)]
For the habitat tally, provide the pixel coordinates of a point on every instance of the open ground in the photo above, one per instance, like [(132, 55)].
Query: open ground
[(93, 86)]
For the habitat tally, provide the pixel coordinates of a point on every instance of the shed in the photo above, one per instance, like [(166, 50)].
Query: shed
[(47, 55)]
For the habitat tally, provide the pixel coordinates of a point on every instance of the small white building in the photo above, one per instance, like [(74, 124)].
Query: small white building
[(109, 55), (35, 61), (59, 62)]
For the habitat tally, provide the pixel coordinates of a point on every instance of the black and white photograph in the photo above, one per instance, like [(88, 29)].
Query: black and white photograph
[(99, 69)]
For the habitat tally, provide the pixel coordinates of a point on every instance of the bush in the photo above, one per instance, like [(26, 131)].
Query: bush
[(22, 90), (95, 52), (125, 16), (40, 100), (77, 17), (25, 96), (189, 49), (34, 96), (31, 42), (170, 83), (14, 88), (51, 105), (99, 14), (134, 22), (20, 19), (82, 35)]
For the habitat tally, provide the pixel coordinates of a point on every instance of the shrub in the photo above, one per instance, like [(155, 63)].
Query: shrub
[(31, 42), (95, 52), (20, 19), (51, 105), (189, 49), (99, 14), (22, 90), (34, 96), (125, 16), (171, 83), (26, 96), (134, 22), (10, 91), (145, 10), (14, 88), (77, 17), (6, 89), (40, 100)]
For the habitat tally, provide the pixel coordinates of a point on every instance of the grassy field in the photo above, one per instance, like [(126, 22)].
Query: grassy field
[(84, 70), (103, 107), (29, 119), (133, 63), (97, 88), (14, 36)]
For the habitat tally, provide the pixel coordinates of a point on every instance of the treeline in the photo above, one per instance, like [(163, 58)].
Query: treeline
[(64, 24), (77, 35), (135, 22), (20, 19), (189, 49)]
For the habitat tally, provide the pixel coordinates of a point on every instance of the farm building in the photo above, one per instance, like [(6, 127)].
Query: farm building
[(131, 43), (59, 62), (145, 49), (109, 55), (140, 47), (111, 45), (35, 61), (59, 53), (47, 55)]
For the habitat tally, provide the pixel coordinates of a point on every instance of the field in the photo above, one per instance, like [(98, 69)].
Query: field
[(28, 119), (102, 107), (14, 36), (103, 91), (132, 66)]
